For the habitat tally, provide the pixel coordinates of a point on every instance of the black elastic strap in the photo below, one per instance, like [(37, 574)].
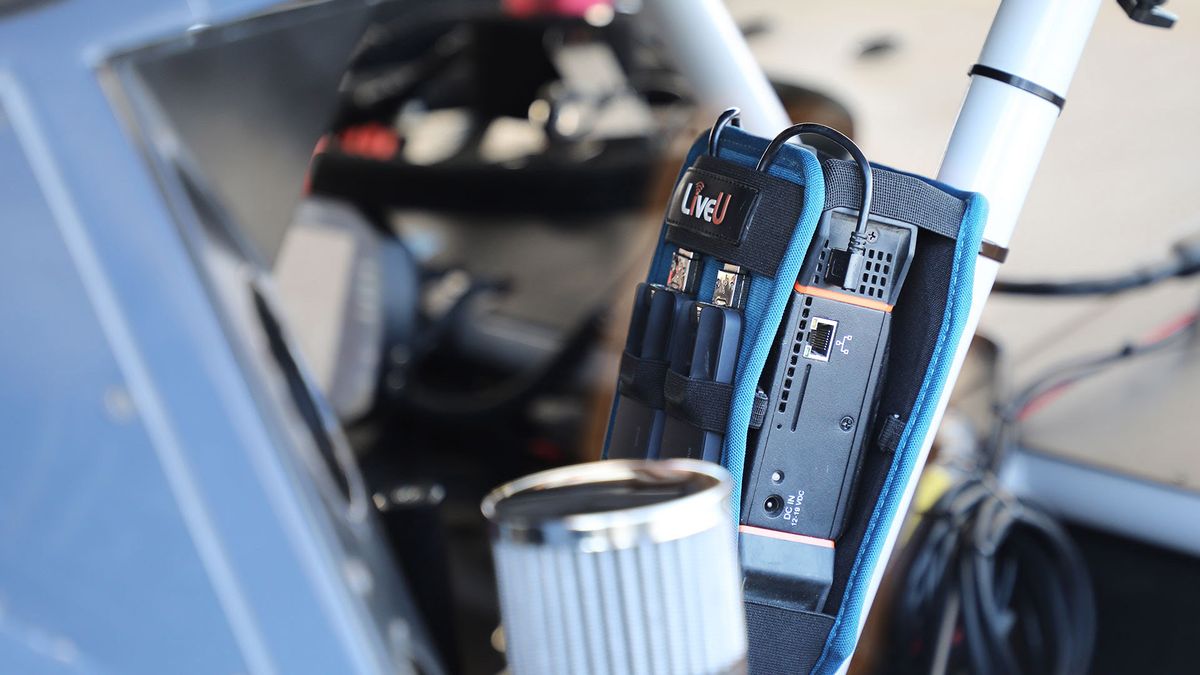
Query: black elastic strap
[(903, 198), (784, 641), (891, 429), (897, 196), (702, 403), (706, 404), (1018, 82), (769, 230), (642, 380)]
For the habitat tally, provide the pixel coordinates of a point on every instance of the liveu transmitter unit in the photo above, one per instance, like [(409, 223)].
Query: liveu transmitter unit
[(822, 383)]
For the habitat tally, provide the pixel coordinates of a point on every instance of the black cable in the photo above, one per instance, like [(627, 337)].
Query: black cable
[(768, 156), (857, 246), (1006, 577), (1005, 574), (1184, 261), (729, 116), (1095, 286)]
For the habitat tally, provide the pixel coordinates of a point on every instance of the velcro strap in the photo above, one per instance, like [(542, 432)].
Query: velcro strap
[(759, 242), (701, 403), (642, 380), (891, 428), (758, 414), (784, 640)]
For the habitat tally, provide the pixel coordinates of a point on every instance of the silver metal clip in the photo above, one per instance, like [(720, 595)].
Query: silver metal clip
[(731, 287), (682, 277)]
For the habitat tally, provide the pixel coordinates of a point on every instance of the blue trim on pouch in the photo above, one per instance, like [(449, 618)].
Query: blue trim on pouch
[(844, 634)]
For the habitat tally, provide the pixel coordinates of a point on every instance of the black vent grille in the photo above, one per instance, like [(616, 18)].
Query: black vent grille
[(794, 356), (819, 273), (876, 273)]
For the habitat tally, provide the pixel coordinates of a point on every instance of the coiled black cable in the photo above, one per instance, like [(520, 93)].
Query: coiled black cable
[(994, 586)]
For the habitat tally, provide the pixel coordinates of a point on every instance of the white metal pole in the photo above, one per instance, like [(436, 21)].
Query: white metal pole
[(712, 54), (997, 144)]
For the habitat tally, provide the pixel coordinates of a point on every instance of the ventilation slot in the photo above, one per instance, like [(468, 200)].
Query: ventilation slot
[(821, 263), (875, 275), (793, 359)]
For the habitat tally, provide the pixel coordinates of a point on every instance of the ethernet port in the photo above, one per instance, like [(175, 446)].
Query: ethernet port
[(820, 339)]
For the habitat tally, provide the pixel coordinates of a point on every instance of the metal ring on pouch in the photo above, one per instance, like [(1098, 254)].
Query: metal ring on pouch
[(672, 518)]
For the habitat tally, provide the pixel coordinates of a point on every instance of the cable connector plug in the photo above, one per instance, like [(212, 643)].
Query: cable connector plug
[(857, 261)]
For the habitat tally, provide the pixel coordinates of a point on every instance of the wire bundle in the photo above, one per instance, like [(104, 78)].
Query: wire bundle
[(993, 585), (1178, 332), (998, 585)]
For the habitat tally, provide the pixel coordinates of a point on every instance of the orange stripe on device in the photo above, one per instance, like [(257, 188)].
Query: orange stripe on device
[(785, 536), (844, 297)]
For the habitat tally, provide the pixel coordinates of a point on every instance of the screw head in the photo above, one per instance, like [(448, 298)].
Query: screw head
[(847, 423)]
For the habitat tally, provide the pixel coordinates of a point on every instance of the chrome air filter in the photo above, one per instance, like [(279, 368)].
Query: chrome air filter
[(623, 567)]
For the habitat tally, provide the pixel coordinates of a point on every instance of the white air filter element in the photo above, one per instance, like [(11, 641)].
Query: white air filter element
[(624, 567)]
